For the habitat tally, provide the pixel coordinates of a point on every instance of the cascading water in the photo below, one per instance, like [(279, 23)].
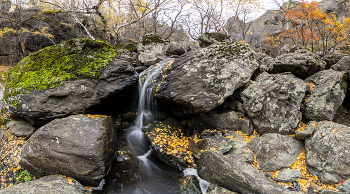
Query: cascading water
[(145, 173)]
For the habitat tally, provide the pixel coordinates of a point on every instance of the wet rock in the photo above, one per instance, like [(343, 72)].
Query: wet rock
[(175, 49), (327, 152), (344, 187), (169, 143), (307, 132), (231, 121), (87, 144), (20, 128), (326, 95), (235, 175), (48, 184), (44, 86), (214, 189), (288, 175), (302, 63), (140, 69), (190, 185), (199, 81), (273, 102), (274, 151)]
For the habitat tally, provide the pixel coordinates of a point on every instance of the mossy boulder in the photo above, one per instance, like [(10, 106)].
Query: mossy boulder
[(149, 38), (67, 78)]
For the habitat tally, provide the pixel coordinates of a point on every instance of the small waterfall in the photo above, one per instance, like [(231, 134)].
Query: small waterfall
[(146, 112)]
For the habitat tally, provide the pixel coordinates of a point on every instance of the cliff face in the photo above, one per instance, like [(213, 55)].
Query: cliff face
[(271, 21)]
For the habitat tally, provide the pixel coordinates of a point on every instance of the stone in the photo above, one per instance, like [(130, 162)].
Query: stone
[(343, 66), (328, 152), (169, 144), (190, 185), (87, 144), (209, 38), (332, 58), (302, 63), (235, 175), (231, 121), (327, 191), (214, 189), (273, 102), (151, 53), (199, 81), (309, 130), (326, 94), (50, 185), (274, 151), (288, 175), (76, 76), (20, 128), (174, 49)]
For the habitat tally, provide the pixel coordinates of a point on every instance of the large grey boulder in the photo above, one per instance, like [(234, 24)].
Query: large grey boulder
[(273, 102), (332, 58), (50, 185), (72, 77), (302, 63), (328, 152), (235, 175), (326, 94), (78, 146), (152, 53), (175, 48), (274, 151), (199, 81)]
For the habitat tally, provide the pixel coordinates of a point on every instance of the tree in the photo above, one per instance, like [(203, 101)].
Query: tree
[(308, 26)]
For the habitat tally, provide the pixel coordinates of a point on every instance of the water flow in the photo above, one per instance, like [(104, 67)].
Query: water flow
[(146, 112)]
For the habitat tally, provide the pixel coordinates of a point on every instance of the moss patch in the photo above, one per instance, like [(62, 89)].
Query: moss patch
[(53, 66), (152, 38), (128, 46)]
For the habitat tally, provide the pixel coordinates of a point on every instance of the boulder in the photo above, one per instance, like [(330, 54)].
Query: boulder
[(235, 175), (273, 102), (199, 81), (86, 143), (302, 63), (288, 175), (50, 185), (343, 65), (326, 94), (151, 49), (306, 132), (169, 143), (175, 49), (332, 58), (68, 78), (274, 151), (327, 152), (20, 128), (190, 185), (209, 38), (231, 121)]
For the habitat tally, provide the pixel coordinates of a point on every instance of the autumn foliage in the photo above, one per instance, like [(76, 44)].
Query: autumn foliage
[(308, 26)]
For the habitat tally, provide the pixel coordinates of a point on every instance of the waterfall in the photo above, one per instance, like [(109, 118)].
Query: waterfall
[(147, 108)]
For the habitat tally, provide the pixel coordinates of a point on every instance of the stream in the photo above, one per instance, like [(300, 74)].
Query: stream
[(137, 170)]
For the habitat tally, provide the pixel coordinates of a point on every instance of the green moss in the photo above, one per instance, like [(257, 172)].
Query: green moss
[(50, 12), (217, 36), (53, 66), (152, 38), (25, 176), (128, 46)]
